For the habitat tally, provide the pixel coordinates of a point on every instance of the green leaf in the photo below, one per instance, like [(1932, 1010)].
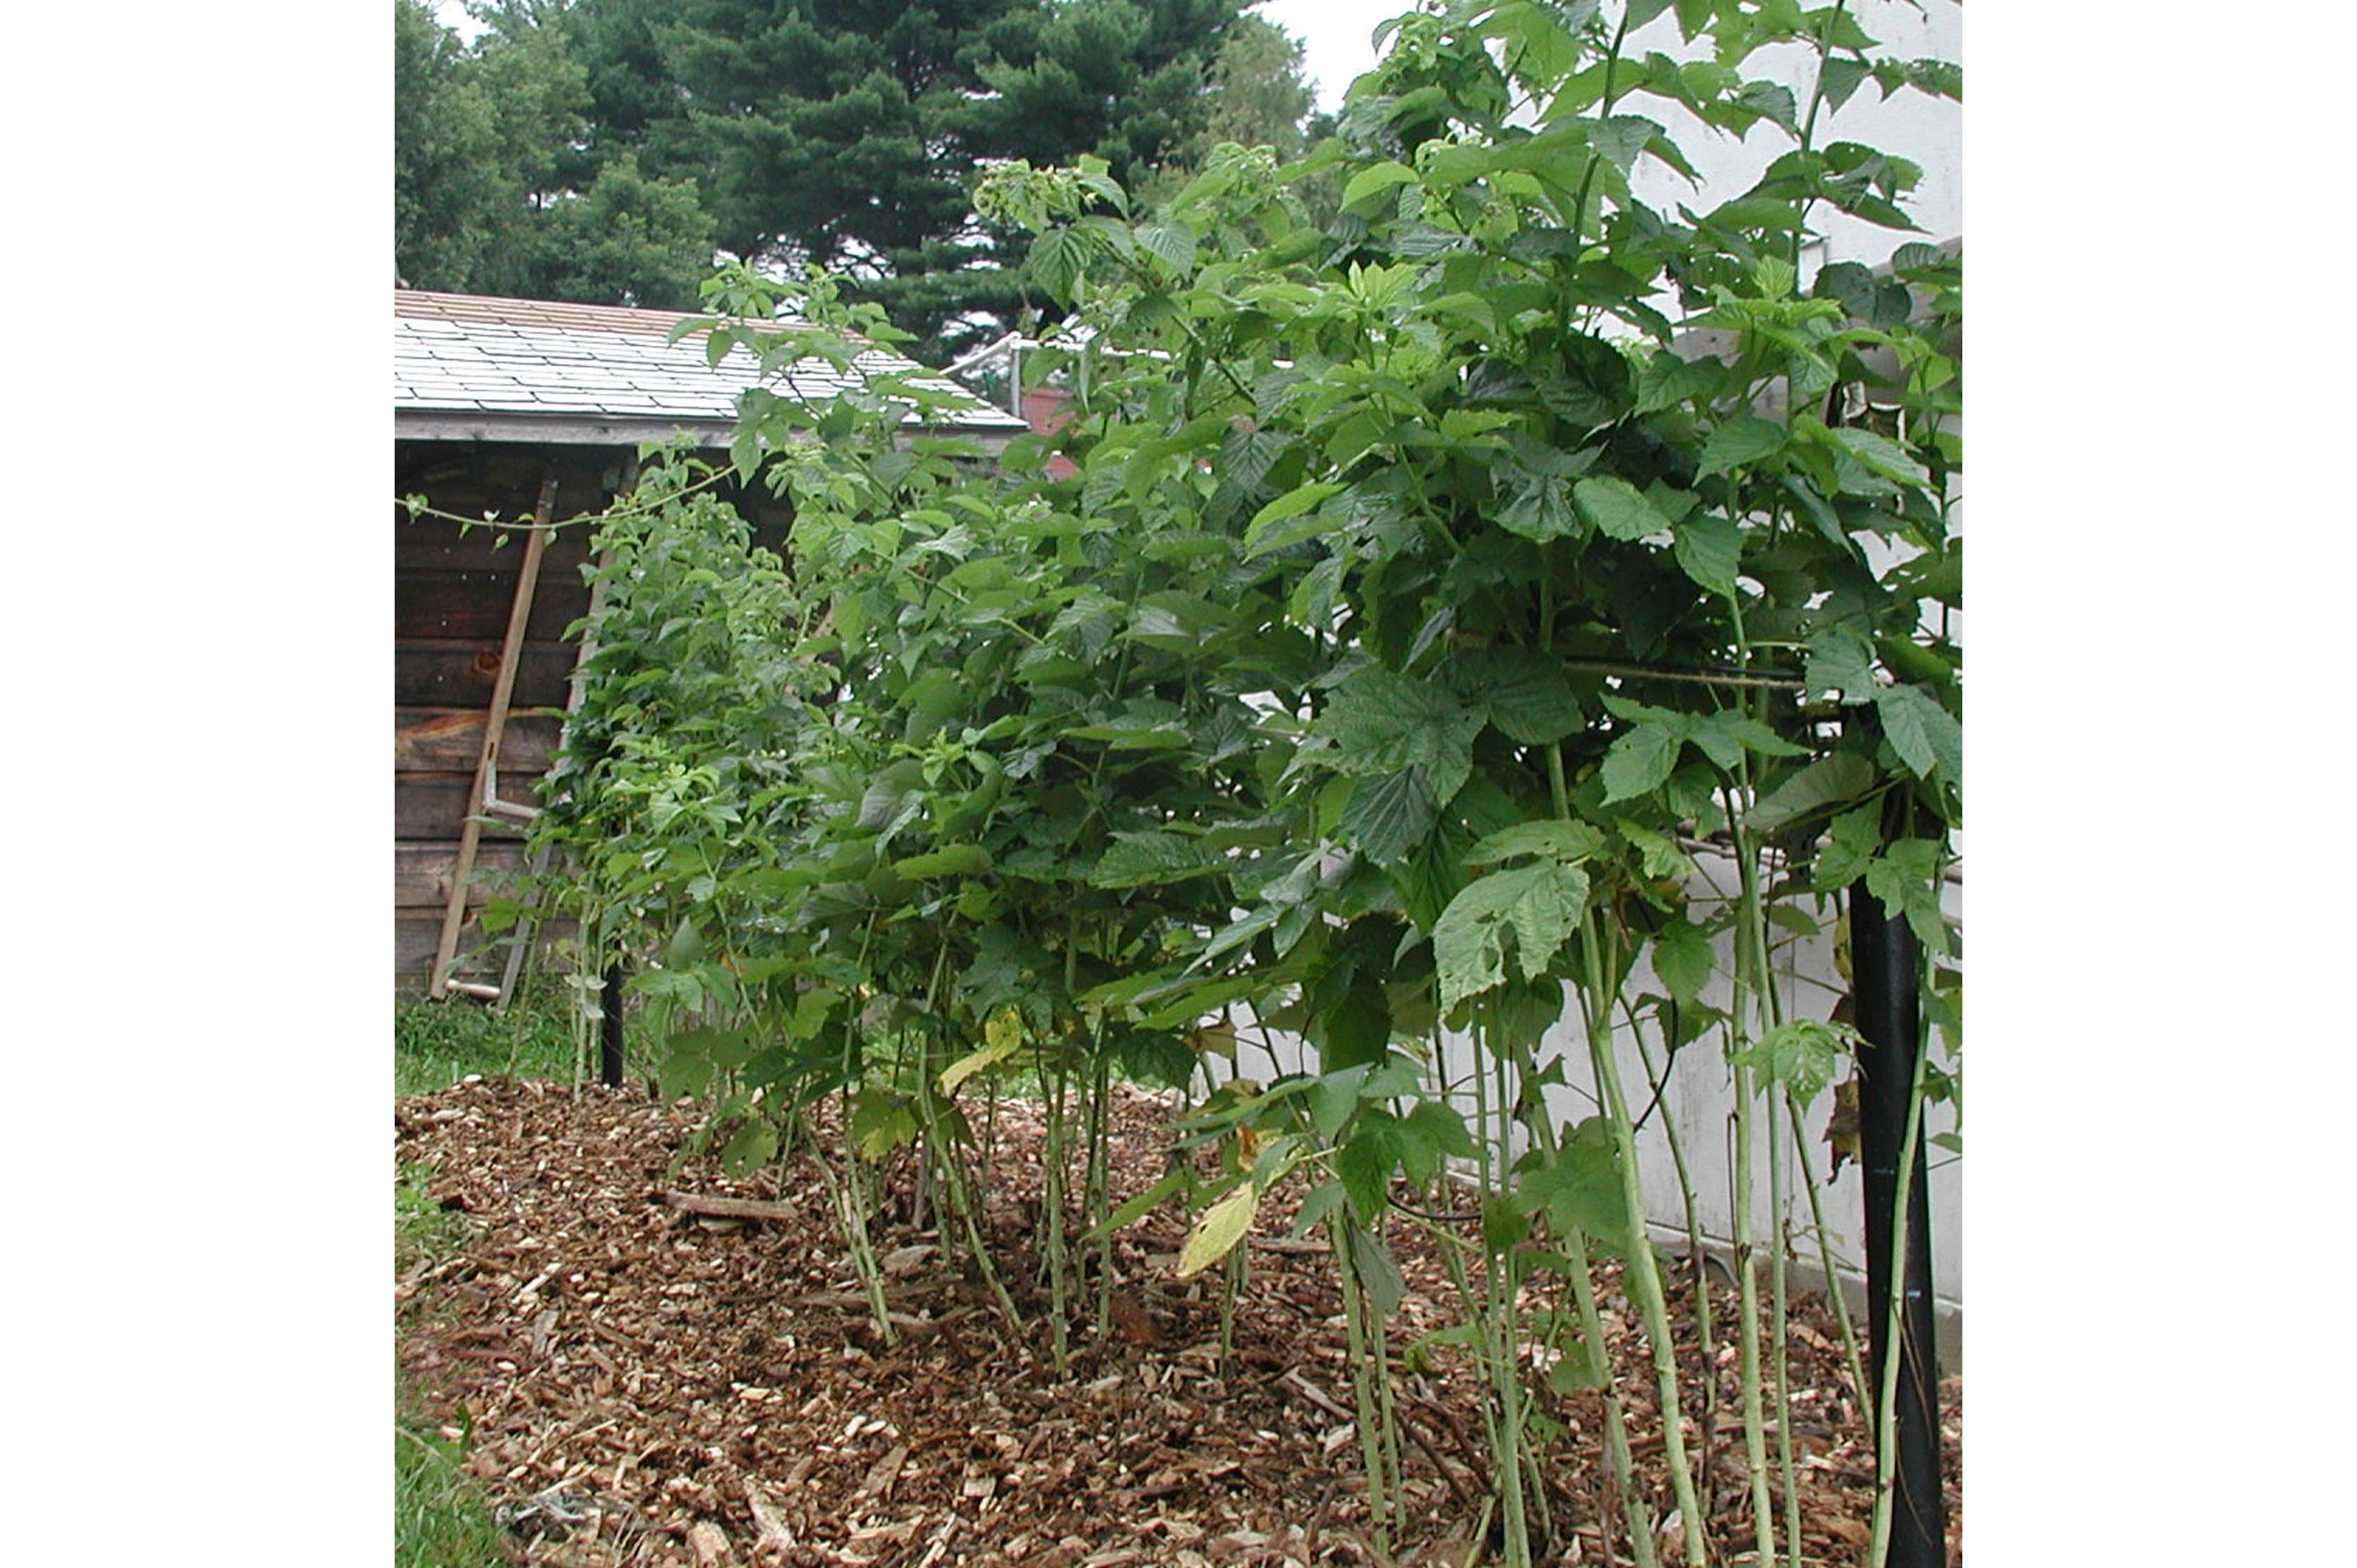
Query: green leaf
[(684, 1073), (989, 1054), (952, 860), (1925, 735), (1217, 1229), (1619, 139), (1800, 1054), (1822, 786), (1658, 854), (1539, 508), (1841, 661), (1581, 1190), (754, 1146), (1855, 836), (1381, 721), (1839, 77), (1140, 859), (1906, 877), (1293, 503), (1540, 905), (1682, 959), (1736, 442), (1639, 761), (1389, 816), (1879, 455), (1710, 550), (1569, 842), (1617, 509), (1370, 182), (881, 1121), (1526, 693), (1172, 241)]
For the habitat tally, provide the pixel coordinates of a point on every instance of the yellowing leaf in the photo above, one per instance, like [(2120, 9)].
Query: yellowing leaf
[(1217, 1229)]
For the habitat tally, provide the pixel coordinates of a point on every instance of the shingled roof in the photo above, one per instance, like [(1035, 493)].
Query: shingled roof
[(471, 368)]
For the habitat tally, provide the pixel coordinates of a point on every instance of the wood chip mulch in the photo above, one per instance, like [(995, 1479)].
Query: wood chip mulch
[(647, 1386)]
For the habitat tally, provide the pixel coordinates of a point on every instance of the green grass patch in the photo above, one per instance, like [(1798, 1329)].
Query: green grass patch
[(440, 1518), (437, 1043)]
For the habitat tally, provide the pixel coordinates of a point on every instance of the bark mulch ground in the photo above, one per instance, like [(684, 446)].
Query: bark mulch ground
[(649, 1386)]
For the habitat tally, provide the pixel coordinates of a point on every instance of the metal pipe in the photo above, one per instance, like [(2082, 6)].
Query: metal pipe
[(1885, 970), (609, 1028)]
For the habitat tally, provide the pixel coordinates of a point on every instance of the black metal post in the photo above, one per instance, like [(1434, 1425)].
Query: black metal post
[(1884, 966), (609, 1028)]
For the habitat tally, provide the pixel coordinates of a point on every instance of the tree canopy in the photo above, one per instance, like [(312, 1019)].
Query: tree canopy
[(491, 192), (602, 149)]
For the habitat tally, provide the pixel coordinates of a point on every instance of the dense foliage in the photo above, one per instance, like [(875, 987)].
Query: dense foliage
[(1420, 621)]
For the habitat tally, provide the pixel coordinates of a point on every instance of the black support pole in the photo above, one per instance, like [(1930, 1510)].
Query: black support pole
[(1884, 969), (609, 1028)]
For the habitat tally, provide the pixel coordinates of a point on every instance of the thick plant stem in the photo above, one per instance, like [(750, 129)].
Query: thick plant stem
[(851, 1214), (1380, 1495), (1886, 1419), (1498, 1348), (1755, 1433), (1096, 1196), (1051, 1216), (1779, 1329), (1643, 1277), (1771, 1012), (1705, 1337), (1639, 1518)]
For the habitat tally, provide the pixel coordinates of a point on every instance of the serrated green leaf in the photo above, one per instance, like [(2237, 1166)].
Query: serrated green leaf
[(1925, 735), (1554, 838), (1370, 182), (1879, 455), (1735, 442), (1293, 503), (1658, 854), (1617, 509), (1709, 549), (1540, 905), (1800, 1054), (1639, 761), (1172, 241), (754, 1146), (1580, 1189), (1855, 836), (950, 860), (1139, 859), (1682, 959), (1841, 661), (1619, 139), (1389, 816), (684, 1073), (1825, 785), (1381, 721), (1840, 77)]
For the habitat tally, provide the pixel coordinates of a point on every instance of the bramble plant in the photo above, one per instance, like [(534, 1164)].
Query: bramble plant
[(1426, 644)]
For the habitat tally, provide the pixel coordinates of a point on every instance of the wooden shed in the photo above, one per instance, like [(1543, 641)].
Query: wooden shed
[(521, 408)]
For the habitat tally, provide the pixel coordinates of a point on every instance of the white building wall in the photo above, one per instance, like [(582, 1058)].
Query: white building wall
[(1914, 125)]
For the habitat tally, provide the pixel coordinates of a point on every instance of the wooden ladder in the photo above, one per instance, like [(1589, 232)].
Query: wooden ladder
[(484, 802)]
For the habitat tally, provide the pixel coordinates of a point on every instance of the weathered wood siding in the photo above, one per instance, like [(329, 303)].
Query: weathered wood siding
[(454, 589)]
